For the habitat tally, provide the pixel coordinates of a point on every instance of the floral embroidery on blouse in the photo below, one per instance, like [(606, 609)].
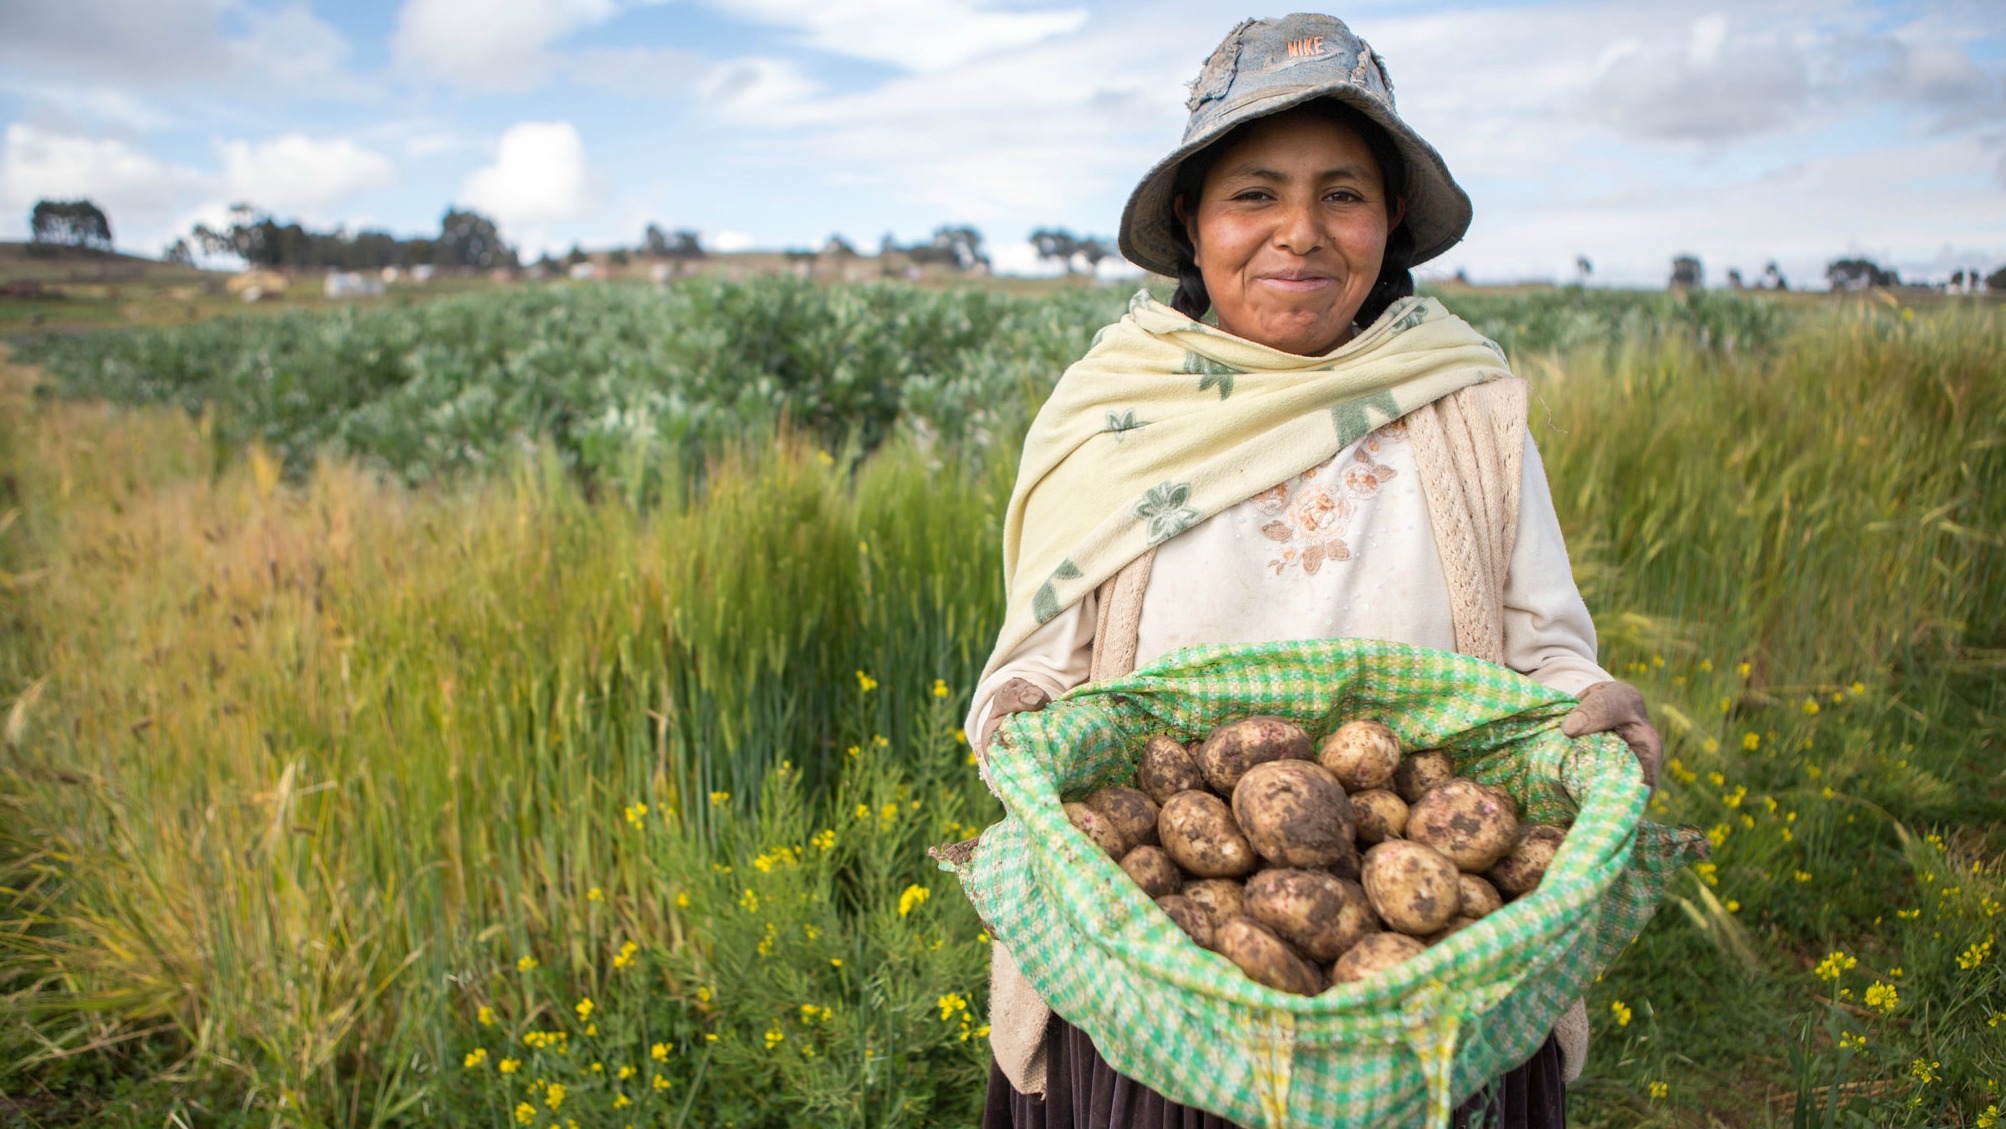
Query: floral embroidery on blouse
[(1309, 514)]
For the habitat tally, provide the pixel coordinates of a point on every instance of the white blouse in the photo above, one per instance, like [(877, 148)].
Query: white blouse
[(1344, 550)]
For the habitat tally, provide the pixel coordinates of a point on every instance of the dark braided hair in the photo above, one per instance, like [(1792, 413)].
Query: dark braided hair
[(1396, 279)]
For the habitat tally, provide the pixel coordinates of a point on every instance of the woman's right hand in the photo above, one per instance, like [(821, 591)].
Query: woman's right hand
[(1018, 695)]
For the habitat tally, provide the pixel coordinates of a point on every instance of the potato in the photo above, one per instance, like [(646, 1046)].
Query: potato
[(1132, 813), (1293, 813), (1456, 925), (1476, 897), (1167, 768), (1520, 871), (1474, 824), (1374, 954), (1412, 886), (1319, 914), (1265, 957), (1349, 864), (1153, 871), (1200, 834), (1096, 827), (1361, 754), (1191, 917), (1237, 746), (1221, 897), (1422, 771), (1379, 815)]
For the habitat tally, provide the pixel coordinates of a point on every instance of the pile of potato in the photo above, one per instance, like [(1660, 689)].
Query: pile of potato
[(1307, 865)]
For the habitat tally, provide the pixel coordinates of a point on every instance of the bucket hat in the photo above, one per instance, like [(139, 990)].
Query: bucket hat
[(1264, 67)]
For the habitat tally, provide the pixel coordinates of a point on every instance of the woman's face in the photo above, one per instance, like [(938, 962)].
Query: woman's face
[(1289, 231)]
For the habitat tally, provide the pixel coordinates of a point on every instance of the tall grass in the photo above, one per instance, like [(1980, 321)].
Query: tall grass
[(337, 790)]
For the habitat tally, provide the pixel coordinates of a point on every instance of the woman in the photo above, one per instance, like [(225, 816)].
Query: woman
[(1336, 459)]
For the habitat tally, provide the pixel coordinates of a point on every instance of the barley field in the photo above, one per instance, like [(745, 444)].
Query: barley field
[(532, 708)]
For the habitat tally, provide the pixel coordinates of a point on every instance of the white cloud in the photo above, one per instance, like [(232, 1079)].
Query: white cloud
[(139, 193), (291, 44), (128, 42), (727, 242), (539, 176), (482, 45), (645, 71), (296, 175), (758, 91), (917, 35)]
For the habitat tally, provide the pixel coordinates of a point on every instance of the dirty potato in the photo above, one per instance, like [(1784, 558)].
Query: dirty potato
[(1349, 864), (1374, 954), (1379, 814), (1412, 887), (1222, 897), (1319, 914), (1191, 917), (1132, 813), (1153, 871), (1199, 832), (1474, 824), (1237, 746), (1422, 771), (1294, 813), (1361, 754), (1167, 768), (1520, 871), (1097, 828), (1265, 957), (1476, 897)]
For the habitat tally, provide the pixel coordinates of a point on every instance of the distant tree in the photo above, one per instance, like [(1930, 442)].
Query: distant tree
[(1687, 274), (70, 223), (837, 245), (1582, 269), (962, 245), (1093, 249), (1858, 274), (619, 257), (655, 242), (1996, 281), (577, 255), (1772, 277), (178, 254), (1734, 279), (1056, 243), (470, 239), (684, 244)]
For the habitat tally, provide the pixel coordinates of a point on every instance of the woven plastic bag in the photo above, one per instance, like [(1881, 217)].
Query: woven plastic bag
[(1398, 1049)]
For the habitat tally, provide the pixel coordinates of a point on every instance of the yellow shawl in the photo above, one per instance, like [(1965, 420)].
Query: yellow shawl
[(1167, 421)]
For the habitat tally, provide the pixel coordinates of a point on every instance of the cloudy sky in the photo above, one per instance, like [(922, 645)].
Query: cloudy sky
[(1625, 131)]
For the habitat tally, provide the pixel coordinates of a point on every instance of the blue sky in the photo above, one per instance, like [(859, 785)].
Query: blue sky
[(1626, 131)]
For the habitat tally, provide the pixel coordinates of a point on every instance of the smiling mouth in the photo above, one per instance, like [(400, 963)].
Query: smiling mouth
[(1297, 282)]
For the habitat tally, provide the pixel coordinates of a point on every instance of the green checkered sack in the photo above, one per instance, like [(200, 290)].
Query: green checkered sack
[(1406, 1044)]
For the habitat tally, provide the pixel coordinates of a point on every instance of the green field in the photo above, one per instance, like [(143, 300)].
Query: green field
[(533, 706)]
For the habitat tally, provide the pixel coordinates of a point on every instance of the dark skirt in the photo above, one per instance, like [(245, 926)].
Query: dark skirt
[(1083, 1092)]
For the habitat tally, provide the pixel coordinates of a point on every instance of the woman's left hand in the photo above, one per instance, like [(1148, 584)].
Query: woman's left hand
[(1618, 707)]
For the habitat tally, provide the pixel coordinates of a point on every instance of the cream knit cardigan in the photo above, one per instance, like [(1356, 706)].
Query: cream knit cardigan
[(1468, 447)]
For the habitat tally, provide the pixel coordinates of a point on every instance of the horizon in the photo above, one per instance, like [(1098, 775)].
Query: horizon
[(1623, 132)]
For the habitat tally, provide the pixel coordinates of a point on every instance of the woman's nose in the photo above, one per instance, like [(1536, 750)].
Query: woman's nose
[(1296, 229)]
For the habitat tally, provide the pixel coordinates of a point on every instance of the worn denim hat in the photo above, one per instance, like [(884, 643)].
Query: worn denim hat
[(1264, 67)]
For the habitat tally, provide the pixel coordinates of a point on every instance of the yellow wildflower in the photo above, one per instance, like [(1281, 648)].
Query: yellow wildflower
[(475, 1057), (951, 1003), (1750, 741), (635, 812), (1883, 997), (1717, 835), (621, 1101), (1622, 1013), (1708, 872), (661, 1083), (1810, 707), (524, 964), (775, 1036), (703, 994), (865, 683), (1924, 1071), (625, 1073), (824, 840), (1742, 670), (595, 894), (1989, 1119), (554, 1097), (749, 901), (718, 799), (1835, 964), (1659, 1089), (485, 1016), (825, 458), (1851, 1042), (682, 899), (525, 1112), (1975, 955), (1801, 875), (913, 897), (709, 1037), (940, 688), (1710, 745), (509, 1065), (835, 962), (583, 1008), (659, 1052)]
